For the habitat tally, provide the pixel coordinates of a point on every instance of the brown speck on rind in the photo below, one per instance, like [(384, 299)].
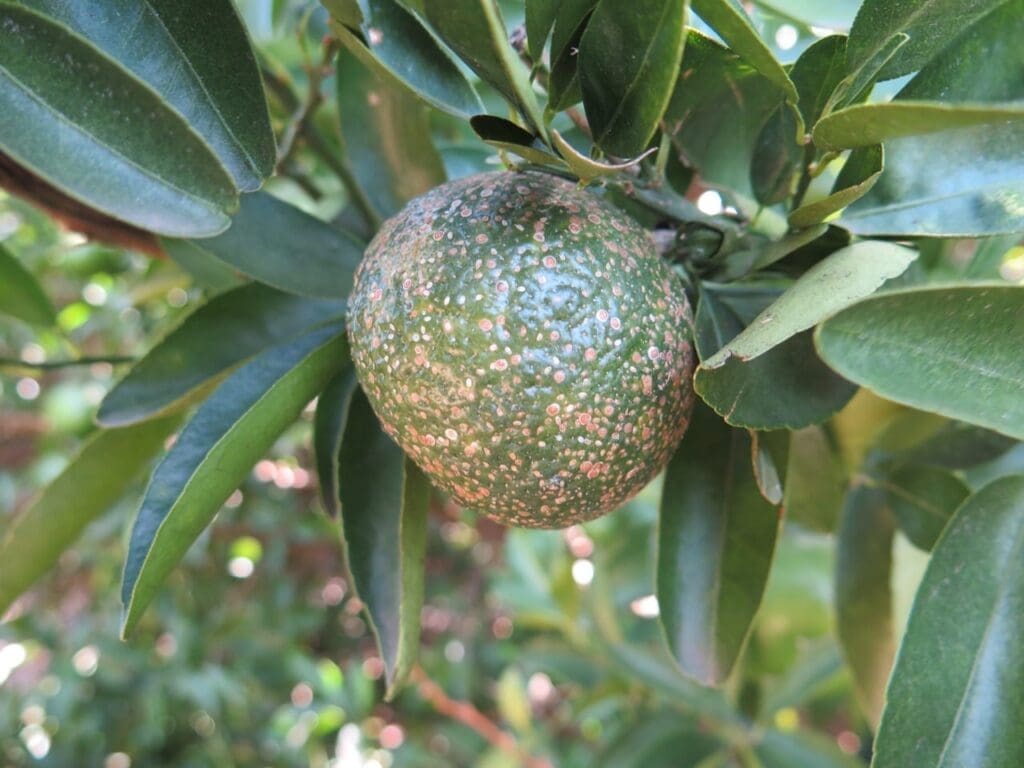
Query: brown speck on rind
[(541, 381)]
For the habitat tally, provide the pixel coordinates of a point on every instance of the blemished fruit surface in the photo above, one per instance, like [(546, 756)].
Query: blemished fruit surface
[(523, 342)]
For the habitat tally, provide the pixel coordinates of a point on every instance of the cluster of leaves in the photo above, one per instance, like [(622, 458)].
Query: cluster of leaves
[(164, 129)]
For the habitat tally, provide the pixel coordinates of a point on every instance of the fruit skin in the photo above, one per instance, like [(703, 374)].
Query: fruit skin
[(525, 345)]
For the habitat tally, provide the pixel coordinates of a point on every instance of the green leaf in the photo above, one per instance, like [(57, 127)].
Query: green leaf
[(715, 544), (386, 133), (923, 499), (953, 351), (540, 18), (507, 136), (20, 295), (863, 595), (628, 67), (770, 457), (384, 503), (866, 124), (931, 26), (197, 57), (836, 282), (583, 166), (227, 330), (787, 387), (564, 81), (402, 49), (284, 247), (208, 271), (716, 112), (475, 30), (104, 468), (861, 81), (955, 695), (777, 157), (959, 446), (859, 174), (731, 22), (151, 170), (815, 480), (817, 73), (328, 428), (806, 749), (989, 256), (715, 324), (215, 451)]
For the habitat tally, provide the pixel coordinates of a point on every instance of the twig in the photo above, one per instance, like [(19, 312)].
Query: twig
[(50, 365), (471, 717), (304, 111)]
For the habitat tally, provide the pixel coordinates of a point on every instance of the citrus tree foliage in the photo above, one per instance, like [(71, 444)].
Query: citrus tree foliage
[(840, 189)]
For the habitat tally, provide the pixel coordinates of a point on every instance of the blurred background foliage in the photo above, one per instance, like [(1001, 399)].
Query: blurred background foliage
[(540, 648)]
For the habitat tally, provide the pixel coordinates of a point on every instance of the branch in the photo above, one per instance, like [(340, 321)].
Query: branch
[(471, 717)]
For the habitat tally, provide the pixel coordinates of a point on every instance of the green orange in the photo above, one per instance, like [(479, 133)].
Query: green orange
[(525, 345)]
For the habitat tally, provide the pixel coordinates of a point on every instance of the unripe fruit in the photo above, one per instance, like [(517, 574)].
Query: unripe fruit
[(525, 345)]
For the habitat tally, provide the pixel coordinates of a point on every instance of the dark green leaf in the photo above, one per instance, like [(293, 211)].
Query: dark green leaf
[(731, 22), (475, 30), (864, 596), (788, 387), (386, 133), (20, 295), (94, 479), (540, 17), (770, 457), (955, 698), (123, 150), (931, 25), (761, 255), (507, 136), (836, 282), (226, 331), (818, 666), (953, 351), (861, 81), (806, 749), (564, 82), (280, 245), (216, 450), (716, 112), (923, 499), (629, 63), (196, 56), (715, 545), (207, 270), (815, 480), (816, 74), (328, 427), (715, 324), (959, 446), (777, 157), (384, 501), (402, 49), (858, 176)]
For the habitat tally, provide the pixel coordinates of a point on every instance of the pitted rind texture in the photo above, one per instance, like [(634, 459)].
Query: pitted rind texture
[(525, 345)]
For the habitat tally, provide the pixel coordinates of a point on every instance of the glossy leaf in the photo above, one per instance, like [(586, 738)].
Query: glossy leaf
[(328, 427), (788, 387), (20, 295), (860, 172), (716, 112), (384, 501), (124, 151), (403, 50), (197, 57), (864, 595), (284, 247), (731, 22), (861, 81), (476, 31), (386, 133), (226, 331), (953, 351), (815, 480), (929, 24), (628, 67), (108, 463), (564, 82), (216, 450), (923, 499), (816, 74), (540, 18), (715, 544), (955, 695)]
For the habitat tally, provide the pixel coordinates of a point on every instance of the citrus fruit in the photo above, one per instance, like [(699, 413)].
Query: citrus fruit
[(525, 345)]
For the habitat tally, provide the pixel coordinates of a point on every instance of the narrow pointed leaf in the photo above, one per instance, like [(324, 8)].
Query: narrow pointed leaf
[(960, 446), (715, 545), (540, 17), (570, 24), (226, 331), (923, 499), (197, 57), (108, 463), (207, 270), (864, 596), (123, 150), (384, 502), (628, 66), (509, 137), (859, 174), (328, 427), (955, 696), (21, 295), (815, 480), (386, 133), (806, 749), (816, 74), (215, 451), (953, 351)]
